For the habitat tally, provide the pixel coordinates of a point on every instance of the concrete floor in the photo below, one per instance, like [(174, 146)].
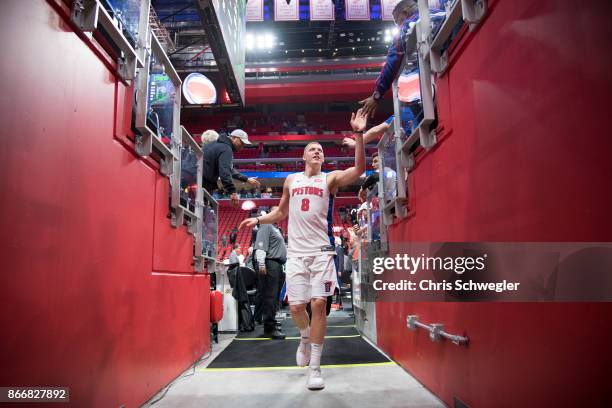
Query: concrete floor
[(354, 387)]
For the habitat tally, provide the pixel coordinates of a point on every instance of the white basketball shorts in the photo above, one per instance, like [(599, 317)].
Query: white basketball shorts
[(310, 277)]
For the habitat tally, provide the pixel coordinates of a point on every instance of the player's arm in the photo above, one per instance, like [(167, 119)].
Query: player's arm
[(375, 132), (342, 178), (275, 215)]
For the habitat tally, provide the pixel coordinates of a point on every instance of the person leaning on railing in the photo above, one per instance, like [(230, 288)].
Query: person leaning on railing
[(218, 162), (405, 14)]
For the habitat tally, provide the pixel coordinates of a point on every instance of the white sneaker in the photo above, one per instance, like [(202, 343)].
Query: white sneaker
[(302, 357), (315, 379)]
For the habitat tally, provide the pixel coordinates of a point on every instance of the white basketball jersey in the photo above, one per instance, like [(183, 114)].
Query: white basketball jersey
[(310, 216)]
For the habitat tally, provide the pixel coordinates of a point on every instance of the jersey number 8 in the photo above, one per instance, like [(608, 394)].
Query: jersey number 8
[(305, 204)]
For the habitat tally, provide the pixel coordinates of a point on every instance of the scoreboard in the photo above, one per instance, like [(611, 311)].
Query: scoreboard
[(225, 24)]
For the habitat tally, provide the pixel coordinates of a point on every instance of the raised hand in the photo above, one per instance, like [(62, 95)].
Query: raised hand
[(348, 142), (369, 106), (359, 121)]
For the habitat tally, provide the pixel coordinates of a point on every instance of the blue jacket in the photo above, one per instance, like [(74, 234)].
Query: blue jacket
[(397, 50)]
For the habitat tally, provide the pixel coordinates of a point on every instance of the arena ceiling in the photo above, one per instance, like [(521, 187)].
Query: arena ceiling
[(295, 42)]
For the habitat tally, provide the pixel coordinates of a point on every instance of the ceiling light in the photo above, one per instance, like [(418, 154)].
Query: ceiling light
[(250, 42), (269, 41)]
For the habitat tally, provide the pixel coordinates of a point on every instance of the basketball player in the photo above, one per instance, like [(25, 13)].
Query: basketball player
[(311, 275)]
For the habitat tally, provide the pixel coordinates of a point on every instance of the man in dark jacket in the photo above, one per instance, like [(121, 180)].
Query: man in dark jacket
[(271, 255), (218, 158)]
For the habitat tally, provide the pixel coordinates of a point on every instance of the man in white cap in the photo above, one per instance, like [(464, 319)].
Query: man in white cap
[(218, 164)]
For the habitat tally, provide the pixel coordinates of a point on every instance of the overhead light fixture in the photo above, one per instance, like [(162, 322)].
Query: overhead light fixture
[(269, 41), (319, 50), (250, 42), (248, 205)]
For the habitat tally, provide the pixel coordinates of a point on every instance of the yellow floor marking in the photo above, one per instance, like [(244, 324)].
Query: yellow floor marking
[(296, 338), (387, 363)]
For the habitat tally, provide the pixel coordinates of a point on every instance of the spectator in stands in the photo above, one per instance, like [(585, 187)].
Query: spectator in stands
[(405, 14), (224, 241), (271, 255), (234, 261), (233, 235), (249, 258), (218, 158), (339, 261), (371, 181)]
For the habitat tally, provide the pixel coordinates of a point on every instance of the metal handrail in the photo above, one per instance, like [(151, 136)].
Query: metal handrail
[(436, 331)]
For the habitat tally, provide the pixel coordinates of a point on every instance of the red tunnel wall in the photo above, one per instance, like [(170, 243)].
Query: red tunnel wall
[(524, 156), (84, 230)]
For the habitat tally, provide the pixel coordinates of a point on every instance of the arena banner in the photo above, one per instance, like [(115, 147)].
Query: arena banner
[(489, 272), (386, 9), (284, 11), (322, 10), (357, 9), (255, 10)]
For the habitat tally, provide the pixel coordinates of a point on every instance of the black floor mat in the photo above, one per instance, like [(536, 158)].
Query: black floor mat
[(281, 353), (292, 331)]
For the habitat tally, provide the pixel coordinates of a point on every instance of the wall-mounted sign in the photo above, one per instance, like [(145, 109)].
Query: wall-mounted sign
[(409, 88)]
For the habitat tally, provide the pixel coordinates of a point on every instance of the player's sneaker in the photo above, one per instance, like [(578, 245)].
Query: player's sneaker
[(315, 379), (302, 357)]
